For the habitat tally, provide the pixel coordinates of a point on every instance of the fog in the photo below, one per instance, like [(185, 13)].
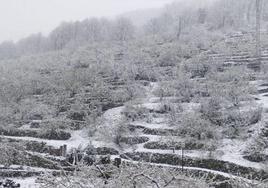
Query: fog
[(19, 18)]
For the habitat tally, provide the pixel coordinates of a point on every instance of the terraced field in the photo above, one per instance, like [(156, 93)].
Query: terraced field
[(151, 140)]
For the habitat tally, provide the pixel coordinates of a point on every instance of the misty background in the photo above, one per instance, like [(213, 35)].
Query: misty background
[(20, 18)]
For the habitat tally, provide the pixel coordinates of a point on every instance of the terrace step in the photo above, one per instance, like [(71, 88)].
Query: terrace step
[(212, 164)]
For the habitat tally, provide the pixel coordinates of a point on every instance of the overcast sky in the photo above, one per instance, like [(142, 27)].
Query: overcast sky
[(19, 18)]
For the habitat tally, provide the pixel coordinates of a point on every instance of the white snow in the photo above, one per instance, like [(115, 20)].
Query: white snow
[(151, 125), (27, 182), (232, 150)]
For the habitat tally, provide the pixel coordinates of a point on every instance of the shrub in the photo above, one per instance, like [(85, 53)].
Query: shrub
[(182, 87), (135, 112), (76, 115), (198, 67), (211, 110), (194, 125), (55, 134), (134, 140), (169, 145)]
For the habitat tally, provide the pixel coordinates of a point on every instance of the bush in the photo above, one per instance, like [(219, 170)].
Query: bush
[(236, 120), (134, 140), (51, 133), (76, 115), (135, 112), (211, 110), (195, 126), (169, 145), (182, 87), (54, 134), (198, 67)]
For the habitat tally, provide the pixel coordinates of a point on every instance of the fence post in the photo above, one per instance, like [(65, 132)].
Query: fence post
[(182, 156), (173, 149), (63, 150)]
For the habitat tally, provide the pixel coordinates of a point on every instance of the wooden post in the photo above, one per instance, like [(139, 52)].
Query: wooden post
[(173, 149), (63, 150), (49, 150), (182, 156), (182, 159)]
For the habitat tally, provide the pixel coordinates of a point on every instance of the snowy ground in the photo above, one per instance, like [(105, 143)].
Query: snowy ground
[(27, 182), (229, 150)]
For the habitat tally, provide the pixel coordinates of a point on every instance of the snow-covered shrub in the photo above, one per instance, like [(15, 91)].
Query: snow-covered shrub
[(165, 89), (232, 86), (54, 134), (133, 91), (132, 140), (193, 125), (198, 67), (10, 154), (184, 87), (133, 113), (181, 87), (14, 154), (165, 108), (169, 58), (30, 109), (255, 150), (118, 134), (211, 110), (175, 113)]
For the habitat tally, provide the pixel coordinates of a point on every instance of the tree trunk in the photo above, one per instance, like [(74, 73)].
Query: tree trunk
[(258, 31), (249, 12), (180, 28)]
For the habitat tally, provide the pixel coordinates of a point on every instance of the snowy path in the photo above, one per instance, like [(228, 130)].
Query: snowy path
[(232, 151)]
